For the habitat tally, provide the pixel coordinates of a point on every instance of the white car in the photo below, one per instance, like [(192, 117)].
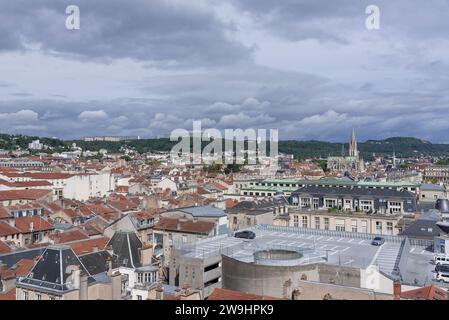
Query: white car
[(441, 259), (442, 277)]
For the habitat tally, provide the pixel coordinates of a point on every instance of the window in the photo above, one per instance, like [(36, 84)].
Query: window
[(25, 295), (139, 297), (316, 203), (330, 203), (304, 222), (365, 205), (305, 202), (248, 221), (317, 223), (184, 238), (354, 225), (379, 227), (38, 296), (340, 225), (395, 207), (326, 223), (235, 220), (390, 228), (364, 226), (296, 221)]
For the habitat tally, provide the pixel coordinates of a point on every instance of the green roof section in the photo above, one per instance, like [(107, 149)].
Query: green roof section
[(324, 181)]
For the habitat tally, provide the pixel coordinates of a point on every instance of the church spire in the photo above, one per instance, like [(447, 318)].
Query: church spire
[(353, 152)]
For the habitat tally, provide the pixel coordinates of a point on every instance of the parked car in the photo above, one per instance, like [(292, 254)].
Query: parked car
[(378, 241), (442, 268), (441, 259), (246, 234), (442, 277)]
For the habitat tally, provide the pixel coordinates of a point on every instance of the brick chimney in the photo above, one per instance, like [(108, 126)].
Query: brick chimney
[(397, 289)]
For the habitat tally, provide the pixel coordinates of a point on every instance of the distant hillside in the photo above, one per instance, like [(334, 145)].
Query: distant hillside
[(403, 146)]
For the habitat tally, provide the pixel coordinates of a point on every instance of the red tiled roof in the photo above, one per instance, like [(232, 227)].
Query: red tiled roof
[(4, 213), (225, 294), (187, 226), (39, 224), (4, 248), (36, 183), (29, 194), (10, 295), (6, 229), (87, 246), (70, 235), (23, 267), (49, 175), (427, 293)]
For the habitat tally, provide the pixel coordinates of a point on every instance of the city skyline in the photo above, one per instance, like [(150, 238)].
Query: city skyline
[(313, 71)]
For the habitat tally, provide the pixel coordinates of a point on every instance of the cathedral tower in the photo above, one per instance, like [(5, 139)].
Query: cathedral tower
[(353, 152)]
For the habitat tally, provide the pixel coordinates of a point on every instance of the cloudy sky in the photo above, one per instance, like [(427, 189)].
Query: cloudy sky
[(145, 67)]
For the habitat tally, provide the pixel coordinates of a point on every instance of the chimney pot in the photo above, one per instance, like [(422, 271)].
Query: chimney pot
[(397, 289)]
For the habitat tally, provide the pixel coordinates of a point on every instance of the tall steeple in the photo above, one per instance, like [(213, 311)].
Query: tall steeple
[(353, 152)]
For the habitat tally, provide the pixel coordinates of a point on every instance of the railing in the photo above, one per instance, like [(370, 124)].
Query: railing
[(422, 243), (331, 233)]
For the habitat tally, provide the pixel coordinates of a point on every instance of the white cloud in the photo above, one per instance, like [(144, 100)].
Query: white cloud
[(19, 116), (93, 115)]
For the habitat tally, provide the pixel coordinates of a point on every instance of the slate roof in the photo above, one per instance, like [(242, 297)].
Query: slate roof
[(424, 228), (96, 262), (258, 207), (126, 249), (204, 211), (355, 191), (51, 272)]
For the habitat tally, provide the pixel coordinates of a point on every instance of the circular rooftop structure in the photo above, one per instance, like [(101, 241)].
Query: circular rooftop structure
[(278, 257)]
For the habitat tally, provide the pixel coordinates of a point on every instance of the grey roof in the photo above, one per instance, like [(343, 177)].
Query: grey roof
[(12, 258), (258, 207), (97, 262), (52, 272), (204, 211), (432, 187), (355, 191), (126, 249), (426, 228)]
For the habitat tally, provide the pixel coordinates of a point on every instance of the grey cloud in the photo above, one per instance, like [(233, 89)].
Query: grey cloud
[(167, 33)]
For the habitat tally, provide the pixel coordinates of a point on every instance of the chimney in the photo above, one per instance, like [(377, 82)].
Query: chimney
[(397, 289), (146, 253), (109, 261), (95, 248), (31, 226), (83, 286)]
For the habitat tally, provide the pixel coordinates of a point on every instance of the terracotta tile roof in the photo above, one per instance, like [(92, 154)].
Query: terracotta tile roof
[(4, 214), (49, 175), (4, 248), (427, 293), (28, 194), (53, 207), (8, 296), (70, 213), (225, 294), (187, 226), (87, 246), (90, 230), (70, 236), (231, 203), (6, 229), (23, 267), (36, 183), (122, 205), (39, 224)]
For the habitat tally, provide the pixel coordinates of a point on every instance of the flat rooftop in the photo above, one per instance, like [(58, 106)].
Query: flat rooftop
[(345, 250)]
